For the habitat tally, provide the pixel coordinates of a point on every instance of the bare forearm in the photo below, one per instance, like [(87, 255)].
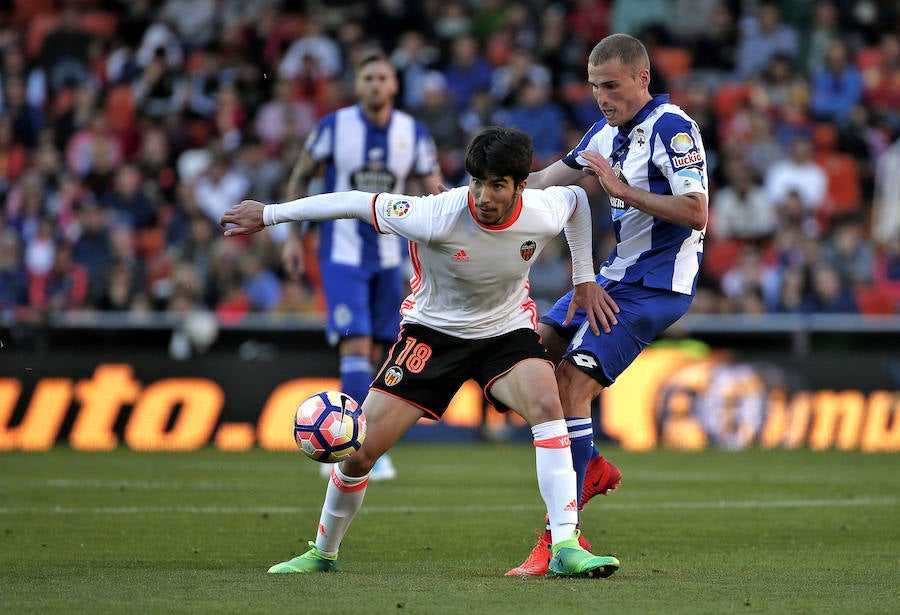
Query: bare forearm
[(687, 210), (301, 174)]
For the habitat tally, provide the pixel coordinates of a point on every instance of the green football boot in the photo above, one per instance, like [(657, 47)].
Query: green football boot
[(311, 561), (571, 560)]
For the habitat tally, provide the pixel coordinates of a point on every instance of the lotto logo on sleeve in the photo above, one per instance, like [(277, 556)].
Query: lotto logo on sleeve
[(397, 208), (682, 143)]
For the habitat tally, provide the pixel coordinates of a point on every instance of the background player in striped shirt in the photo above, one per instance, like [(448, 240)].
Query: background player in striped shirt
[(469, 316), (649, 158), (373, 147)]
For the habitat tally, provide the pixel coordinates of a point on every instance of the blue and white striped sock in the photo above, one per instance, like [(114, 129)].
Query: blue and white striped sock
[(581, 434)]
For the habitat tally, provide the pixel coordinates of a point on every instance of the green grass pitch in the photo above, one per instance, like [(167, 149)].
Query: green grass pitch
[(710, 532)]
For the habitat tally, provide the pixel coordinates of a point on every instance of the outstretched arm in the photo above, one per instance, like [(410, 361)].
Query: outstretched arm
[(252, 216)]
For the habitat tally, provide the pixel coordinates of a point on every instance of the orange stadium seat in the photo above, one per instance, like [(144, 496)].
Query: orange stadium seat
[(671, 62), (24, 11), (868, 57), (874, 300), (120, 108), (844, 192), (39, 27), (728, 98), (721, 255), (102, 24)]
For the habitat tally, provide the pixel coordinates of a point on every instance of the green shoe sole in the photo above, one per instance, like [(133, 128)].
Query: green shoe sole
[(310, 561), (578, 563)]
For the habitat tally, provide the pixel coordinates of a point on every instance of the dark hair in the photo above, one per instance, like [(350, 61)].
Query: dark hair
[(628, 50), (498, 151)]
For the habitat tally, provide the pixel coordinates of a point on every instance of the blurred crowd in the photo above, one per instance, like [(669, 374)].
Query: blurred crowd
[(127, 127)]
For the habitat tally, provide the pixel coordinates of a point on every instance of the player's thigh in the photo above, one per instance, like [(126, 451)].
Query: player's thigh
[(515, 374), (347, 299), (388, 418), (644, 313), (529, 388)]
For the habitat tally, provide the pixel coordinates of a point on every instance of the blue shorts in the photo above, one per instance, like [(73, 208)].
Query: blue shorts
[(362, 303), (644, 313)]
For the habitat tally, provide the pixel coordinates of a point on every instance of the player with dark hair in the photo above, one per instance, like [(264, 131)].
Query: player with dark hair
[(649, 158), (469, 316), (373, 147)]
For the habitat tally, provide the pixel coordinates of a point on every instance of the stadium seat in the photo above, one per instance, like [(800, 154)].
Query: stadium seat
[(728, 98), (720, 256), (844, 192), (25, 11), (120, 108), (102, 24), (292, 26), (672, 63), (39, 27), (874, 300), (868, 57)]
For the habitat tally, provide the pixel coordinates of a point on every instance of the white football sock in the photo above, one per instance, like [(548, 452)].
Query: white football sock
[(343, 499), (556, 478)]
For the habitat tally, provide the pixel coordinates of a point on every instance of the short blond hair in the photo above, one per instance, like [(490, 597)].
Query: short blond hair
[(625, 48)]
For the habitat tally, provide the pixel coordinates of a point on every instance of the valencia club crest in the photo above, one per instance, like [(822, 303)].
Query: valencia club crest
[(527, 250)]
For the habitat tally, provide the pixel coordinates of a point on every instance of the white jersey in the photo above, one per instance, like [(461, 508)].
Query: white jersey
[(470, 279), (660, 151)]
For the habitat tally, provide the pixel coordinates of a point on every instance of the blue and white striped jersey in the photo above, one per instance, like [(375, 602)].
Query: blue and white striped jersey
[(362, 156), (660, 151)]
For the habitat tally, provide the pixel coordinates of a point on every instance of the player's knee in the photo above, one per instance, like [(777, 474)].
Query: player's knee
[(545, 406), (576, 389), (357, 346), (359, 464)]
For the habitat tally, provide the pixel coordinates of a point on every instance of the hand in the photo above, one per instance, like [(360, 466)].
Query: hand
[(292, 257), (597, 304), (599, 166), (246, 217)]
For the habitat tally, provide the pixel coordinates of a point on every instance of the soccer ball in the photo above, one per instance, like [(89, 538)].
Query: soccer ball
[(329, 426)]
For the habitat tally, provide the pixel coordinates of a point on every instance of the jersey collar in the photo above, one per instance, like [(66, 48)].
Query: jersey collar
[(496, 227), (640, 116)]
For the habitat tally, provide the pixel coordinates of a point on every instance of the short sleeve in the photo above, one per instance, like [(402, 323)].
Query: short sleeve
[(320, 142), (681, 158), (426, 152)]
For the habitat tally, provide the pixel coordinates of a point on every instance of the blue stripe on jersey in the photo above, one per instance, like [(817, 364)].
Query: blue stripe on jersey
[(659, 144), (359, 155)]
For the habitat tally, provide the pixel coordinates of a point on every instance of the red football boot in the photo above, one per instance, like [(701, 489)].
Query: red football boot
[(538, 561), (601, 477)]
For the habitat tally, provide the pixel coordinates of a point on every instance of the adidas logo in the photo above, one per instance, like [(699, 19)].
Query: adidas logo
[(460, 256), (571, 506)]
